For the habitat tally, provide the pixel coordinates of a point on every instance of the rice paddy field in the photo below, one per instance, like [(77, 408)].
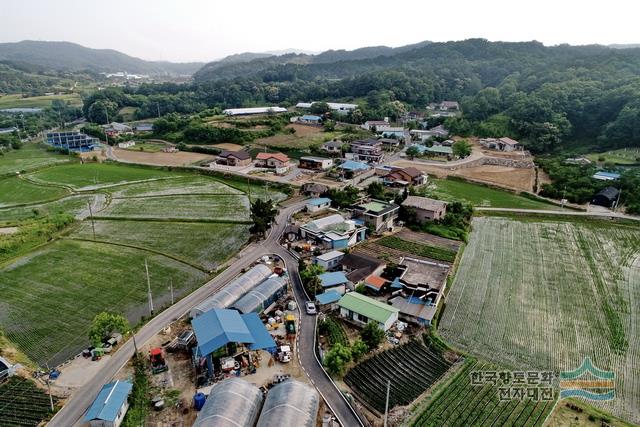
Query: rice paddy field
[(622, 156), (545, 295), (186, 225), (18, 101)]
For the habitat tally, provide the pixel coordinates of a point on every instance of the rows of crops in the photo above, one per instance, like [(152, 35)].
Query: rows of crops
[(462, 403), (420, 249), (334, 332), (412, 368), (545, 295), (22, 403)]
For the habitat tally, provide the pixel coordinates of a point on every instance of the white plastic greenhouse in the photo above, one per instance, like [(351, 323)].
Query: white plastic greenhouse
[(234, 290), (262, 296), (232, 403), (290, 403)]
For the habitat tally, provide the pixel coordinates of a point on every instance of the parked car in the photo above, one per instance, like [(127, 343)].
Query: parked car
[(310, 307)]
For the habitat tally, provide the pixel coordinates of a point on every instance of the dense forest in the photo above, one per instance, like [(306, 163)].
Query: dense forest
[(548, 97)]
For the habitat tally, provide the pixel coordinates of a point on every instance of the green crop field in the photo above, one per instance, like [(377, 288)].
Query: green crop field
[(51, 295), (146, 147), (15, 191), (623, 156), (194, 184), (17, 101), (461, 403), (205, 244), (73, 205), (548, 294), (97, 174), (480, 195), (204, 207), (30, 156)]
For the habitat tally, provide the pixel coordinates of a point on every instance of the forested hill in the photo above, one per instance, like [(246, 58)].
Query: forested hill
[(247, 66), (65, 56), (545, 96)]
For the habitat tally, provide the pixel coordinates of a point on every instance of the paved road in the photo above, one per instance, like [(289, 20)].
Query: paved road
[(75, 408), (607, 214), (306, 345)]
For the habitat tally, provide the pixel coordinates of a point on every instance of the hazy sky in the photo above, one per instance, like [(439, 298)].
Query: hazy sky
[(201, 30)]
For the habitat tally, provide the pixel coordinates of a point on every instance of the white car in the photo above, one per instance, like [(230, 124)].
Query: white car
[(310, 307)]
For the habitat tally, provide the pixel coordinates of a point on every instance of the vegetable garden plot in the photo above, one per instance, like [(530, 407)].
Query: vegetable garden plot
[(412, 368), (51, 296), (22, 403), (545, 295), (461, 403)]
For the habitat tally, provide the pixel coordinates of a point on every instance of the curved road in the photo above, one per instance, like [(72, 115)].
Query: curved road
[(79, 402)]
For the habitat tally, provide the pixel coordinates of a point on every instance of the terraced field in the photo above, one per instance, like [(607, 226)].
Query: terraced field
[(186, 225), (15, 191), (29, 157), (203, 207), (205, 244), (547, 294), (461, 403)]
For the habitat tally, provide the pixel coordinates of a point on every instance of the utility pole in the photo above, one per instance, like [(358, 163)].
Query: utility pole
[(93, 225), (49, 386), (135, 345), (171, 289), (386, 404), (615, 209), (106, 137), (146, 267), (158, 105)]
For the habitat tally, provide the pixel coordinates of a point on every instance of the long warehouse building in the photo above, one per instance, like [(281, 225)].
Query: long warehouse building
[(234, 290)]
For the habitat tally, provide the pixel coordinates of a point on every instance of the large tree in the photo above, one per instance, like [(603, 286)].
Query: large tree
[(263, 213), (104, 324)]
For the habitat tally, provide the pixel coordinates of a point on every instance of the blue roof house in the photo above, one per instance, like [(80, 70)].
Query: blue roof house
[(318, 204), (111, 405), (308, 118), (334, 281), (353, 166), (328, 298)]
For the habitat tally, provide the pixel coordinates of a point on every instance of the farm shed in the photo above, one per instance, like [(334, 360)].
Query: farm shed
[(219, 327), (234, 290), (426, 209), (318, 204), (414, 310), (291, 403), (253, 110), (606, 197), (330, 260), (606, 176), (328, 299), (6, 369), (335, 281), (262, 296), (362, 310), (315, 163), (232, 403), (110, 407)]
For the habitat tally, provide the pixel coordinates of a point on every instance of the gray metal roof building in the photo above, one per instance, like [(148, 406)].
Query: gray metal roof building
[(261, 296), (291, 403), (234, 290), (232, 403)]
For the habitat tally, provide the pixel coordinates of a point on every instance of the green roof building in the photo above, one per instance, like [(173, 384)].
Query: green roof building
[(362, 310)]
